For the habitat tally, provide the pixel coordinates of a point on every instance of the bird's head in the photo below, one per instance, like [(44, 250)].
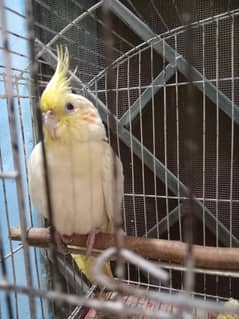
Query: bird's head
[(67, 116)]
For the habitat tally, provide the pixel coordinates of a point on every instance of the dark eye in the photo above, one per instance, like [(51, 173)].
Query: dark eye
[(69, 107)]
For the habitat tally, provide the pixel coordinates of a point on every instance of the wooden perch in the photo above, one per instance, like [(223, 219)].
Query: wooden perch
[(157, 249)]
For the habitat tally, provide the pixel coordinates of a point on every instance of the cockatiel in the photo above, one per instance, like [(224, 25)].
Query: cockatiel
[(80, 163)]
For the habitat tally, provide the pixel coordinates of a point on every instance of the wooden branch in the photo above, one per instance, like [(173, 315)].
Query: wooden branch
[(157, 249)]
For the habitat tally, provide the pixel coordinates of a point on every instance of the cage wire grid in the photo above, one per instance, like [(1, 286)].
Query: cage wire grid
[(149, 91)]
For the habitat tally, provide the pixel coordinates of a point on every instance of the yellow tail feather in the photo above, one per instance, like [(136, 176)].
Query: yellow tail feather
[(86, 264)]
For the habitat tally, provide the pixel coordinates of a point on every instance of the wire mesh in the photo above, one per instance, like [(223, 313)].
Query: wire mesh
[(144, 88)]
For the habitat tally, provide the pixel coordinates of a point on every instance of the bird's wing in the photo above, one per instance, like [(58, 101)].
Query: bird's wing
[(36, 180), (113, 183)]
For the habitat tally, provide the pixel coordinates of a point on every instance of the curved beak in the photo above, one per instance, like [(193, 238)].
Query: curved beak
[(50, 123)]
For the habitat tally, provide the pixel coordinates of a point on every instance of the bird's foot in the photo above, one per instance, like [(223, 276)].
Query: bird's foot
[(91, 240), (59, 241)]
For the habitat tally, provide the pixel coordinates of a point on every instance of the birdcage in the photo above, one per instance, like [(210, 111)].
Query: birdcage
[(164, 78)]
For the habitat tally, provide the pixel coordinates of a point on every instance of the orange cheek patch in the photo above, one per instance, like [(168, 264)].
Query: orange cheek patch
[(88, 116)]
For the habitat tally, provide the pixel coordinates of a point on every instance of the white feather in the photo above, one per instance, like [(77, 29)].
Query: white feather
[(81, 183)]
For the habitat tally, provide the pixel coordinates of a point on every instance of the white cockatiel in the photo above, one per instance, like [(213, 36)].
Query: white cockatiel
[(79, 159)]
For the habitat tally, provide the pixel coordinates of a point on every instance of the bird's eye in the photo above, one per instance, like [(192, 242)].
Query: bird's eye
[(69, 107)]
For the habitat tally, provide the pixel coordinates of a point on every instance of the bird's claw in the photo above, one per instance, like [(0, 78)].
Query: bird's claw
[(90, 241), (58, 239)]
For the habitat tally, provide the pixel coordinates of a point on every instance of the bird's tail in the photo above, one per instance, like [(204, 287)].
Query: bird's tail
[(85, 264)]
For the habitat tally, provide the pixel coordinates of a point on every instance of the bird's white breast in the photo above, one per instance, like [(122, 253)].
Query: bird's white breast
[(76, 190)]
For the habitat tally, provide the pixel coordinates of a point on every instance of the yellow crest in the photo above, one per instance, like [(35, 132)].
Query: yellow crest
[(57, 89)]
